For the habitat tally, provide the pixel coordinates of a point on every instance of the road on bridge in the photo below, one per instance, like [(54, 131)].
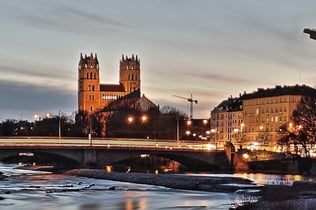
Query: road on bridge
[(114, 142)]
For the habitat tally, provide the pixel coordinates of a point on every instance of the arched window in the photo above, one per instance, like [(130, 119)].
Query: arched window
[(95, 75), (92, 87), (87, 75)]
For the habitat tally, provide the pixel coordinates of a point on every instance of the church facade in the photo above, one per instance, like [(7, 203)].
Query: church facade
[(92, 95)]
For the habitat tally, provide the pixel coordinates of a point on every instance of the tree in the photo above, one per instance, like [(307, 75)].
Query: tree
[(302, 129)]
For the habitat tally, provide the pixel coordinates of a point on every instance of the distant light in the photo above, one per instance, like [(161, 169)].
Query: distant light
[(130, 119), (28, 154), (108, 169), (210, 147), (144, 155), (144, 118), (245, 156)]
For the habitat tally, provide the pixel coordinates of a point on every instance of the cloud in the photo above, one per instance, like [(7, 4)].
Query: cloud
[(63, 18), (26, 98)]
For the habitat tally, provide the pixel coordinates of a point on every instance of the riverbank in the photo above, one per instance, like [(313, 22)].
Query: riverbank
[(176, 181), (299, 195)]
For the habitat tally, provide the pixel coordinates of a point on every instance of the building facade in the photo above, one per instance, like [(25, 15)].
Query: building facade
[(254, 119), (92, 95), (266, 110), (226, 122)]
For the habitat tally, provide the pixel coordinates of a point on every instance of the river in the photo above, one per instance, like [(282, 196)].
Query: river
[(25, 189)]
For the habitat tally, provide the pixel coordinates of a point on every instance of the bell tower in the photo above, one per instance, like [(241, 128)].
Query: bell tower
[(88, 83), (130, 73)]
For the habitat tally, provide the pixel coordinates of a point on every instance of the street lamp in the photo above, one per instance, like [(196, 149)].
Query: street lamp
[(36, 117), (214, 131), (130, 120), (144, 119), (236, 134)]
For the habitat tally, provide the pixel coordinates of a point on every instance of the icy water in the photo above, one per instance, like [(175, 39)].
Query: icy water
[(25, 189)]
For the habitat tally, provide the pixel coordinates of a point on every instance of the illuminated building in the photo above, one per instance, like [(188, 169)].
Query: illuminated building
[(226, 121), (265, 110), (255, 118), (92, 95)]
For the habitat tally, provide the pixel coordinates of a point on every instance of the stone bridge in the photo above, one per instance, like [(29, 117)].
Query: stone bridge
[(87, 156)]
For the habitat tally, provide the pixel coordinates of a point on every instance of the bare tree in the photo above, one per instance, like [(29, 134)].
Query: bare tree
[(302, 129)]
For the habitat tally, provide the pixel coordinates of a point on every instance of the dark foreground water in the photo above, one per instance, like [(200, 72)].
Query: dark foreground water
[(37, 190), (25, 189)]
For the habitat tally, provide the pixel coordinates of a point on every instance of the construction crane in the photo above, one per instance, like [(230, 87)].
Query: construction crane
[(191, 100)]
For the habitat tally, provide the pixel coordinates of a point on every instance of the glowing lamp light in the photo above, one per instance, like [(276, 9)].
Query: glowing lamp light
[(210, 147), (245, 156), (108, 169), (144, 118), (130, 120)]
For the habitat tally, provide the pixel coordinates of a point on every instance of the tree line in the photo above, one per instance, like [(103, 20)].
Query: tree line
[(150, 124)]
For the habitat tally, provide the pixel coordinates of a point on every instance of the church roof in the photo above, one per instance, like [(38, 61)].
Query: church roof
[(132, 101), (112, 88)]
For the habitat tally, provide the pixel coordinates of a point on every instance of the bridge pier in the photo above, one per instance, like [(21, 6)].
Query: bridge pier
[(89, 158)]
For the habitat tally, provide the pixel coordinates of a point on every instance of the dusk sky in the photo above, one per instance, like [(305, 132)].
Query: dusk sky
[(212, 49)]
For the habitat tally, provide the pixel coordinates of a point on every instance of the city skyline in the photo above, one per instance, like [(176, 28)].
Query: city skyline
[(210, 49)]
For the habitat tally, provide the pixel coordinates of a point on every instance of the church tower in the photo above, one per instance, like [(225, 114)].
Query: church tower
[(130, 73), (88, 83)]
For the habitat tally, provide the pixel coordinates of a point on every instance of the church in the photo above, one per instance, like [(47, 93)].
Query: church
[(93, 96)]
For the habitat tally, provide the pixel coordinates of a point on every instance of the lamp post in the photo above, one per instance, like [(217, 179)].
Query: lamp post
[(59, 127), (241, 135), (214, 131), (130, 120), (178, 135)]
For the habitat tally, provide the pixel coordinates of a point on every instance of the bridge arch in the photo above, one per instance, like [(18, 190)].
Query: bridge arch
[(47, 158)]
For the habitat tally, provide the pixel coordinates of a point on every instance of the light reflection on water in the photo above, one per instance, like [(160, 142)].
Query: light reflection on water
[(46, 191), (265, 179), (26, 189)]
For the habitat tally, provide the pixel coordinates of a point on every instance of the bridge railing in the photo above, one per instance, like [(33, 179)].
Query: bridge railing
[(117, 143)]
